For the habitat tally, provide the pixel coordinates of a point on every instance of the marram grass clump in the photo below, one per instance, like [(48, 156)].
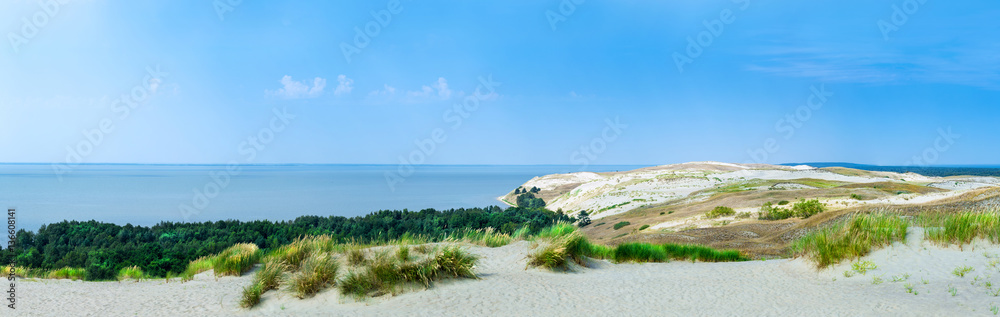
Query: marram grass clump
[(962, 228), (569, 246), (131, 273), (202, 264), (385, 274), (236, 260), (66, 273), (851, 238), (315, 273), (485, 237)]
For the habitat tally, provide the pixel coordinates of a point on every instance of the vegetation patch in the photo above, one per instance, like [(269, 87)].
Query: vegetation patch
[(803, 209), (851, 238), (962, 228), (574, 247), (621, 224), (131, 273), (236, 260), (720, 211), (63, 273)]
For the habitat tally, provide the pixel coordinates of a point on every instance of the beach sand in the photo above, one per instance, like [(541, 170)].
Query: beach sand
[(787, 287)]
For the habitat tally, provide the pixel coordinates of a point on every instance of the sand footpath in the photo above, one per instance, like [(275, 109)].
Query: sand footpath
[(772, 287)]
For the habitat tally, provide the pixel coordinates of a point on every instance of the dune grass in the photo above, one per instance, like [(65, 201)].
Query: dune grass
[(68, 273), (202, 264), (315, 273), (962, 228), (131, 273), (851, 238), (859, 234), (311, 264), (565, 245), (485, 237), (236, 260), (384, 273)]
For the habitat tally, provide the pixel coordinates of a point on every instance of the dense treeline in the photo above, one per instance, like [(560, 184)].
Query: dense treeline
[(104, 248)]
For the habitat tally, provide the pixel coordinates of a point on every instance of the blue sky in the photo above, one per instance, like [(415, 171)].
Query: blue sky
[(924, 82)]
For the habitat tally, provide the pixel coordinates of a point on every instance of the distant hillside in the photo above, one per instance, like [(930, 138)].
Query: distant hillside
[(938, 171)]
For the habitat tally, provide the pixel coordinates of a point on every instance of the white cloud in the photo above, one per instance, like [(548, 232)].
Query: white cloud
[(387, 91), (439, 88), (442, 87), (344, 86), (295, 89)]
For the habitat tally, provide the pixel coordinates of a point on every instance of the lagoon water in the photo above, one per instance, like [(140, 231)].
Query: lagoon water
[(148, 194)]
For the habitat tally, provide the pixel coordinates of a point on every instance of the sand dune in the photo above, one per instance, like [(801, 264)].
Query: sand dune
[(773, 287)]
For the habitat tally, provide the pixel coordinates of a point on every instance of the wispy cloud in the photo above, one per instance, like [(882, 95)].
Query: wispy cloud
[(436, 91), (970, 66), (292, 89)]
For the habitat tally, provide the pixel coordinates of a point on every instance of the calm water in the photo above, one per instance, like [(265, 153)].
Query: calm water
[(148, 194)]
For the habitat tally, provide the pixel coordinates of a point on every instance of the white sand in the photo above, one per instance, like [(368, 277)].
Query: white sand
[(614, 193), (773, 287)]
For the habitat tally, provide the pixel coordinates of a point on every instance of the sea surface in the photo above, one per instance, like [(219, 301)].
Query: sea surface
[(148, 194)]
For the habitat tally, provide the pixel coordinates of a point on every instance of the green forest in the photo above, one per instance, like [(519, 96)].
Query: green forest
[(104, 248)]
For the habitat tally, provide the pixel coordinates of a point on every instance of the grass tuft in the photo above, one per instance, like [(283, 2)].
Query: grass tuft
[(316, 272), (557, 253), (962, 228), (236, 260), (850, 239), (485, 237), (131, 273), (63, 273)]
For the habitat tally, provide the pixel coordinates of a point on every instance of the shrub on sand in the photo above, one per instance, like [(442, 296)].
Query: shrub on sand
[(720, 211)]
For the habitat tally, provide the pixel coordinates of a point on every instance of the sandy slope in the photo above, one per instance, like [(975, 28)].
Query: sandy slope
[(773, 287), (608, 194)]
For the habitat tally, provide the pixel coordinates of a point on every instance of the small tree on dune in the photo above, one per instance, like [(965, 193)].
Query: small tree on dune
[(584, 219)]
